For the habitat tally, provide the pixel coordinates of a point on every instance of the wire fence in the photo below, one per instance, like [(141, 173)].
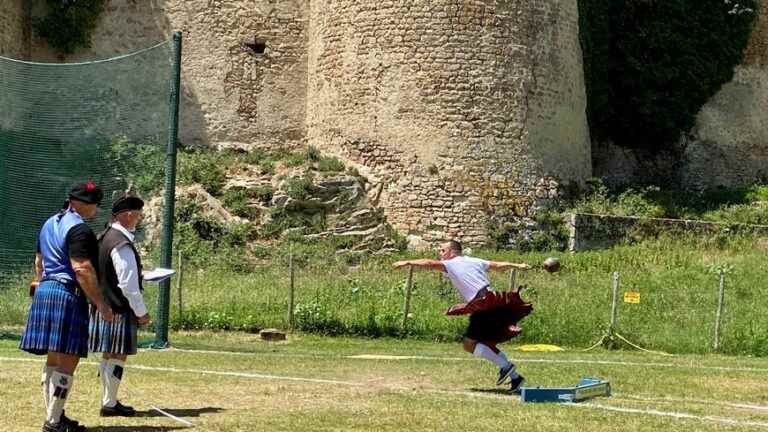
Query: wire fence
[(619, 298), (708, 312)]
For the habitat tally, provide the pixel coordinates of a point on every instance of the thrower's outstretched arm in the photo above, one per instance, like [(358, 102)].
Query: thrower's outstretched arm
[(428, 264), (503, 265)]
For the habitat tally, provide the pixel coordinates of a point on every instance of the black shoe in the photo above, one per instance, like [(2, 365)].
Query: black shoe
[(65, 419), (72, 424), (63, 426), (119, 410), (516, 383)]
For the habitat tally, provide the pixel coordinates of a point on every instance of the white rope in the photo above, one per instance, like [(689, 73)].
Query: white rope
[(182, 421)]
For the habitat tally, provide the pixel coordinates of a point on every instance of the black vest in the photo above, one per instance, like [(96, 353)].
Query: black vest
[(109, 240)]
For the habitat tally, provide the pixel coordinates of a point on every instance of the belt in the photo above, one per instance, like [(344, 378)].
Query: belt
[(481, 293), (71, 285)]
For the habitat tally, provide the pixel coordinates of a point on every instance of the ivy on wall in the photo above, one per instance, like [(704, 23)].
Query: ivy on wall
[(69, 23), (650, 65)]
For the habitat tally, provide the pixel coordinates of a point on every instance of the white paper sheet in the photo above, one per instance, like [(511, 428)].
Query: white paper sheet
[(158, 274)]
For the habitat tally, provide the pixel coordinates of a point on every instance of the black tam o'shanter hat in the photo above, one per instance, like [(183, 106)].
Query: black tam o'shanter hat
[(127, 202), (88, 193)]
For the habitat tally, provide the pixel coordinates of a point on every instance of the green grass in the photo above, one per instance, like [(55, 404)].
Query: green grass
[(313, 383), (742, 205), (345, 295)]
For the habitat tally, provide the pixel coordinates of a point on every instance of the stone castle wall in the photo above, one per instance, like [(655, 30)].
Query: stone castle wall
[(467, 113), (13, 29), (230, 95)]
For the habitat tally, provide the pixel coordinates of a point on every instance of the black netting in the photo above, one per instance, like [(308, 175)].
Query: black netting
[(60, 124)]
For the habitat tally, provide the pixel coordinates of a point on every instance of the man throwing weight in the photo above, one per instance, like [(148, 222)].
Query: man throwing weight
[(493, 316)]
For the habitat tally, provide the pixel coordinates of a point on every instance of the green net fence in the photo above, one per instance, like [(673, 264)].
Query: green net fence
[(109, 121)]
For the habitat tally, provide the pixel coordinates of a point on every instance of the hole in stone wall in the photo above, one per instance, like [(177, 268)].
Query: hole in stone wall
[(257, 47)]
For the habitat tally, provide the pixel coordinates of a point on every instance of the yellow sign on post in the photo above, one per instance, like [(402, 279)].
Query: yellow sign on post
[(632, 297)]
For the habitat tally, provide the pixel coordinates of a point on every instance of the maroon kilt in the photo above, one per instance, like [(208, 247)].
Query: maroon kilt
[(493, 317)]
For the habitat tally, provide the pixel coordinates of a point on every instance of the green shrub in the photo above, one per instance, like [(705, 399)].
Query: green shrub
[(267, 166), (599, 199), (299, 187), (313, 154), (263, 193), (282, 219), (69, 24), (662, 59), (330, 164), (741, 205), (142, 166), (295, 159), (207, 168), (255, 156), (208, 242), (236, 201)]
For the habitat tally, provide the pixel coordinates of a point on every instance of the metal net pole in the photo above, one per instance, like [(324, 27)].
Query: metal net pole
[(163, 298)]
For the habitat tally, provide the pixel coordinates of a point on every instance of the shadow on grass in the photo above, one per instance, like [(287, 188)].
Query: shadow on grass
[(180, 412), (499, 391), (135, 428), (10, 336)]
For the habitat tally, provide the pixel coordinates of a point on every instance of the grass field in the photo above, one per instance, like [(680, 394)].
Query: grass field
[(236, 382), (674, 277)]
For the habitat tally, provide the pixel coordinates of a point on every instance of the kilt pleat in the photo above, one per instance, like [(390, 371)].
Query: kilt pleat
[(116, 337), (57, 321)]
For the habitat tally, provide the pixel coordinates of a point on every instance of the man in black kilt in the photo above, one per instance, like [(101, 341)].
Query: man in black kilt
[(493, 316), (57, 325), (120, 281)]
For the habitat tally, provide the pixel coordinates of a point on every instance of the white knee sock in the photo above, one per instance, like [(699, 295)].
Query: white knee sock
[(45, 383), (111, 376), (60, 386), (512, 374), (484, 351), (103, 379)]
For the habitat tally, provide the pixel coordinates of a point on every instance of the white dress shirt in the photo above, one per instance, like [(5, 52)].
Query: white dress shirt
[(127, 271)]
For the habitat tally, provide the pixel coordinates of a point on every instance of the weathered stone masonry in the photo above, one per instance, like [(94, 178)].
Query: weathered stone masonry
[(464, 113), (468, 112), (231, 97), (13, 29)]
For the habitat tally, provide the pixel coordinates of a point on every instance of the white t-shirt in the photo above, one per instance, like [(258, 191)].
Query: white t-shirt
[(468, 275)]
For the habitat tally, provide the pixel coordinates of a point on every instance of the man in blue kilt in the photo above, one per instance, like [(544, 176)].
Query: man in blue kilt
[(493, 316), (120, 281), (57, 325)]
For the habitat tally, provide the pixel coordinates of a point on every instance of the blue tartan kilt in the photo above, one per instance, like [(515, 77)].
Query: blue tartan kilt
[(116, 337), (57, 321)]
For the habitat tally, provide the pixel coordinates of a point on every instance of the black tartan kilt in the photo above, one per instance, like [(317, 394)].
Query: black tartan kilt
[(116, 337), (489, 325)]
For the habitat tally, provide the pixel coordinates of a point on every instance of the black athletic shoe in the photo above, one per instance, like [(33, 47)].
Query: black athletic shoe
[(516, 383), (65, 419), (504, 373), (119, 410), (63, 426)]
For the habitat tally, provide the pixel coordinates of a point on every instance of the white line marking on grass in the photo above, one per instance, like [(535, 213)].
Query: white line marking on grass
[(244, 375), (409, 357), (211, 372), (679, 415), (472, 359), (565, 361), (172, 350), (173, 417), (692, 401)]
